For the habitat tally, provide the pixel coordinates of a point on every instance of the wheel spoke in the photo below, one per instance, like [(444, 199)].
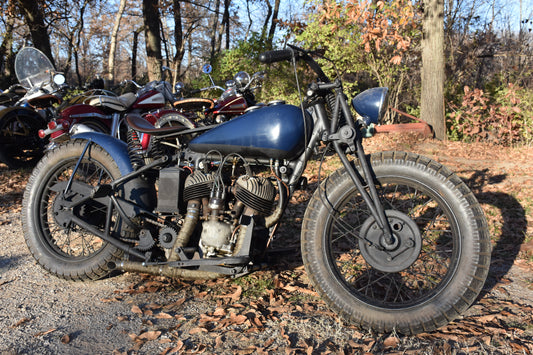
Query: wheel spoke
[(416, 281), (71, 241)]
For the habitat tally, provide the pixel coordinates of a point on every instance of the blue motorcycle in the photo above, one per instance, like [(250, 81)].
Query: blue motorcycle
[(390, 241)]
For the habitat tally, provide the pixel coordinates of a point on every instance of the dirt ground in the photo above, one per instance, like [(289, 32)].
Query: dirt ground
[(274, 310)]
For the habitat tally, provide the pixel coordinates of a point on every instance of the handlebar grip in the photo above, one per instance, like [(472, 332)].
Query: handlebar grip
[(276, 56), (195, 91)]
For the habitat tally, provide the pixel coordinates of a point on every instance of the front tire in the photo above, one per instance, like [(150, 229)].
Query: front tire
[(21, 146), (64, 249), (432, 271)]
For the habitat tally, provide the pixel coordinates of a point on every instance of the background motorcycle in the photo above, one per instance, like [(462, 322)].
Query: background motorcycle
[(10, 96), (393, 241), (19, 124), (236, 98), (101, 111)]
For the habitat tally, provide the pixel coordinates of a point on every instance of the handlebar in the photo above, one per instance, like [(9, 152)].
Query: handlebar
[(124, 82), (196, 91), (296, 53), (276, 56)]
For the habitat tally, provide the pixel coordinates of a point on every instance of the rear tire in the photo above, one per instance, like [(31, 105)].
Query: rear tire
[(433, 271), (65, 249)]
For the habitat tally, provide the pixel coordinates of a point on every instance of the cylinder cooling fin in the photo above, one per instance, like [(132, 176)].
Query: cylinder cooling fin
[(198, 185), (256, 192)]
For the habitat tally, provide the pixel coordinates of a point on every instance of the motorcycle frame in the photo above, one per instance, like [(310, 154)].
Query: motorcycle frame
[(346, 139)]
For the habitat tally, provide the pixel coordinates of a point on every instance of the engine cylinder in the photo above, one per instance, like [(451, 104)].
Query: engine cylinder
[(198, 185), (255, 192)]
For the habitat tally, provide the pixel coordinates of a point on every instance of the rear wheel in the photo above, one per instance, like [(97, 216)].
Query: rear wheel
[(175, 120), (59, 245), (433, 268)]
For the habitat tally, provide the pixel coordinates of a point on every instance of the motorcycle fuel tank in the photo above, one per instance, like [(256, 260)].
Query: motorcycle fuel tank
[(276, 132), (149, 100)]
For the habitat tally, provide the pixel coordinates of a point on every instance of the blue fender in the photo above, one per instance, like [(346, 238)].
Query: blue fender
[(115, 147)]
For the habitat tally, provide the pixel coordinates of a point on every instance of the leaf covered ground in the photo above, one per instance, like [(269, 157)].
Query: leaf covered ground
[(275, 311)]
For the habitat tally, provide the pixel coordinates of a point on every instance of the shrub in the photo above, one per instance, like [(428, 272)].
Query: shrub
[(503, 118)]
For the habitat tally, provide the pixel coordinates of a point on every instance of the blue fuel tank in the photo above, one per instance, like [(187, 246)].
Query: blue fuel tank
[(276, 132)]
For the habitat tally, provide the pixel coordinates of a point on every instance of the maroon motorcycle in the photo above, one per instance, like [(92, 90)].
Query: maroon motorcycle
[(236, 99), (105, 113)]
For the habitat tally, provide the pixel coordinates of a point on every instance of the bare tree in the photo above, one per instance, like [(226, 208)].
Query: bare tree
[(152, 36), (7, 56), (432, 99), (113, 45), (273, 23), (34, 17)]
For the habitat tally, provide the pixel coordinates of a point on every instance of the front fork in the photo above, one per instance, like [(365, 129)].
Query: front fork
[(365, 184), (351, 135)]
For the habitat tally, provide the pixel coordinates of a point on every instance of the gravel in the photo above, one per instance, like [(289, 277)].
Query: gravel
[(43, 314)]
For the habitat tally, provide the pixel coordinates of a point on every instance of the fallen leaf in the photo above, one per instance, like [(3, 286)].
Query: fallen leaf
[(197, 330), (153, 306), (391, 342), (177, 348), (20, 322), (174, 304), (237, 319), (150, 335), (219, 312), (45, 332), (235, 296), (136, 309), (163, 315)]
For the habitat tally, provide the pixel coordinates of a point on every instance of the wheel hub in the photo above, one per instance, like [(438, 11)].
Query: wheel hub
[(396, 254)]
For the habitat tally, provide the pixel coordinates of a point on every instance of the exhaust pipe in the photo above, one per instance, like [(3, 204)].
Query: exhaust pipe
[(164, 270)]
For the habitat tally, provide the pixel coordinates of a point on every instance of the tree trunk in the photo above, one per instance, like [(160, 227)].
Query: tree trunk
[(152, 36), (113, 44), (225, 26), (432, 100), (178, 39), (267, 20), (7, 57), (34, 17), (273, 24), (134, 52), (215, 31), (226, 21)]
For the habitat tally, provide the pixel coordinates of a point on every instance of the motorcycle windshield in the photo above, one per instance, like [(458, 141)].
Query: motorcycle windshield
[(32, 67)]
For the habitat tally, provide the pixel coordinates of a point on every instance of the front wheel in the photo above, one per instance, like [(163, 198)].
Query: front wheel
[(425, 276), (59, 245), (21, 146)]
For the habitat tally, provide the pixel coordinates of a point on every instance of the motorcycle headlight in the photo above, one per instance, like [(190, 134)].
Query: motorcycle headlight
[(230, 84), (59, 79), (371, 104), (242, 78)]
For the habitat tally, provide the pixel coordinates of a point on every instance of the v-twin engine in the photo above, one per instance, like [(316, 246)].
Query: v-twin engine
[(223, 207)]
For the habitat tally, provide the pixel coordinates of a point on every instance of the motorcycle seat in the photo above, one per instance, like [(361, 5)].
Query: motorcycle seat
[(138, 123), (119, 104), (194, 104)]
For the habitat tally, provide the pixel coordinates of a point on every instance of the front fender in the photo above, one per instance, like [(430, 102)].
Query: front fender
[(115, 147)]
